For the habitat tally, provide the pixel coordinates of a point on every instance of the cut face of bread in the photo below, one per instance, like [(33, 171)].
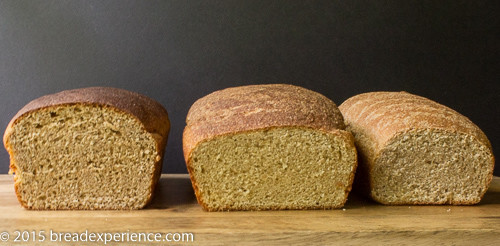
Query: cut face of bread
[(82, 156), (417, 151), (431, 166), (274, 168), (262, 147)]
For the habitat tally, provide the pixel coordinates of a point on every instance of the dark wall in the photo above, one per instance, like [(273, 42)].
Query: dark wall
[(179, 51)]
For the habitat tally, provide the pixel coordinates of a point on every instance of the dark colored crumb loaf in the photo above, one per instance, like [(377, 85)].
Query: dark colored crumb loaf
[(91, 148)]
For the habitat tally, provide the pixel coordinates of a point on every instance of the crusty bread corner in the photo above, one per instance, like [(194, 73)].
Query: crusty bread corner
[(150, 113), (378, 118), (253, 108)]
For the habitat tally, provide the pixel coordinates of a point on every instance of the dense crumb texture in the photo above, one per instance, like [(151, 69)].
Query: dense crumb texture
[(416, 151), (277, 168), (432, 167), (266, 147), (84, 156)]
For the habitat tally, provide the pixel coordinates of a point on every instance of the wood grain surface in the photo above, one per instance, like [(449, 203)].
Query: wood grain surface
[(174, 209)]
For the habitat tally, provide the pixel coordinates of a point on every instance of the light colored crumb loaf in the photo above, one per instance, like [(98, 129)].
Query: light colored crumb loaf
[(416, 151), (263, 147), (91, 148)]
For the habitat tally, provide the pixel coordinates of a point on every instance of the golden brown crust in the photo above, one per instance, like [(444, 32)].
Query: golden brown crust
[(376, 118), (150, 113), (252, 107), (258, 107), (383, 114), (379, 116)]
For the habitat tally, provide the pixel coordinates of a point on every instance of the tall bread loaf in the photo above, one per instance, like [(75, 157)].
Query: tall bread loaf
[(416, 151), (265, 147), (90, 148)]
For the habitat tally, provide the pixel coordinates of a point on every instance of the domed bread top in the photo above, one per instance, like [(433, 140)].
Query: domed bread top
[(151, 113), (380, 115), (253, 107)]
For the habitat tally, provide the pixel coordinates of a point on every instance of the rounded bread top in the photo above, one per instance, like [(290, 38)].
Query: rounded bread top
[(253, 107), (382, 115), (152, 114)]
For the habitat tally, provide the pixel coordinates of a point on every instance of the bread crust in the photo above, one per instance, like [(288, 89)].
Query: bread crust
[(149, 112), (376, 118), (251, 108)]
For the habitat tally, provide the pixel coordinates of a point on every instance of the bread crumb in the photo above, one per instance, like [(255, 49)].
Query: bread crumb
[(98, 170), (245, 171)]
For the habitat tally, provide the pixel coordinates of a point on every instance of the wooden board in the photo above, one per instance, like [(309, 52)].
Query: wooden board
[(174, 209)]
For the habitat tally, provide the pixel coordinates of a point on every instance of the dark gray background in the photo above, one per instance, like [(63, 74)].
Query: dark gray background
[(179, 51)]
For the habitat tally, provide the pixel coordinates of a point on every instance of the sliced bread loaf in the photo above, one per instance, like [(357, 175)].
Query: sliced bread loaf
[(263, 147), (416, 151), (92, 148)]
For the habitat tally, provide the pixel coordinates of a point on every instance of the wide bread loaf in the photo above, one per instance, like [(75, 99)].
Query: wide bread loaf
[(263, 147), (416, 151), (90, 148)]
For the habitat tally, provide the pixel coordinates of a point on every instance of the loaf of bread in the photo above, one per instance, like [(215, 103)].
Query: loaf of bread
[(268, 147), (92, 148), (416, 151)]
